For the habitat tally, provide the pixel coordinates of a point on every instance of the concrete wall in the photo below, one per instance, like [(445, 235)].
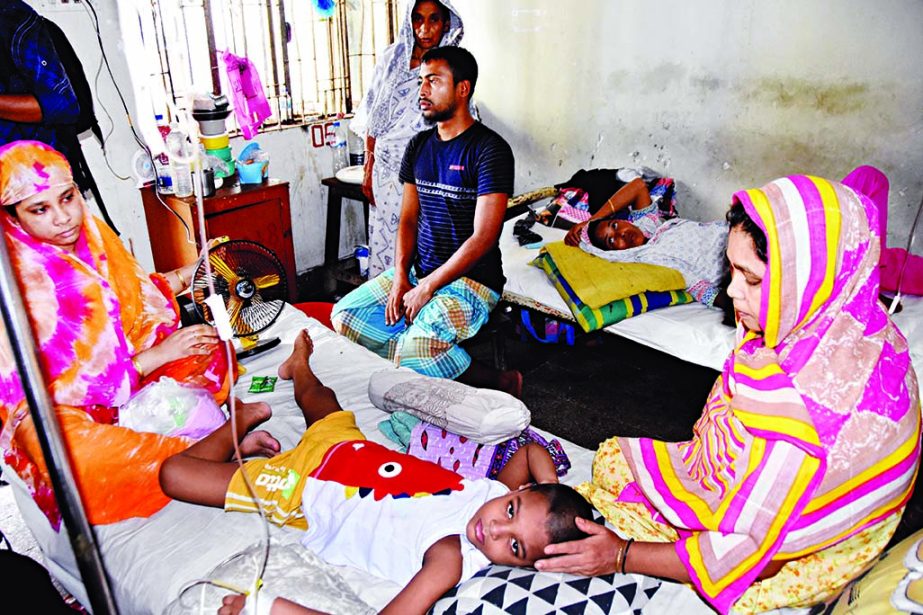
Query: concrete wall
[(719, 94)]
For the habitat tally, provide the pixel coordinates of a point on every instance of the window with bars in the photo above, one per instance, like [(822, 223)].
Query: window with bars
[(310, 66)]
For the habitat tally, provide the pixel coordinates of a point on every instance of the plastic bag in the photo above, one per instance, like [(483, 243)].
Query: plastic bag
[(172, 409)]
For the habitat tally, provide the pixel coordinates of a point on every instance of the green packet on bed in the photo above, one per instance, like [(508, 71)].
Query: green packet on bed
[(590, 318), (262, 384)]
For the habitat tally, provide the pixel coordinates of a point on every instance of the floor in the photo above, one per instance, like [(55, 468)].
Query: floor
[(603, 385)]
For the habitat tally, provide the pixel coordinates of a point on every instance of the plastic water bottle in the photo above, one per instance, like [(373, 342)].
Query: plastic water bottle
[(178, 147), (339, 146), (285, 107)]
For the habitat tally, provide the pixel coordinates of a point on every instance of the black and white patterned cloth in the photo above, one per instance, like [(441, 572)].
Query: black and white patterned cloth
[(514, 591)]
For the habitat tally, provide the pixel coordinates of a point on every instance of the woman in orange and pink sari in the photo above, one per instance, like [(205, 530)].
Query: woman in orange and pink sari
[(104, 330), (806, 452)]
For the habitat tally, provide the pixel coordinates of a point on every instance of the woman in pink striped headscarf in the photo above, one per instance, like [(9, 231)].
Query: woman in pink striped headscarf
[(807, 449)]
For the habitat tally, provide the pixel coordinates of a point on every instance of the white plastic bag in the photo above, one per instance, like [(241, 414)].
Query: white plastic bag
[(172, 409)]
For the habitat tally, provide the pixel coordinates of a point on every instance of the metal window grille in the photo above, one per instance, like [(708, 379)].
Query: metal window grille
[(310, 66)]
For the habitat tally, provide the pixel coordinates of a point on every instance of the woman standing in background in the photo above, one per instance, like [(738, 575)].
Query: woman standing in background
[(389, 116)]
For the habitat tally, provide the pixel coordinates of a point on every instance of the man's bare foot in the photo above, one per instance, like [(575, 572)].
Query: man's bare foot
[(251, 414), (301, 354), (259, 443), (511, 382)]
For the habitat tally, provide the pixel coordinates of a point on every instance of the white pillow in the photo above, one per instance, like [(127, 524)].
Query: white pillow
[(484, 415), (292, 572)]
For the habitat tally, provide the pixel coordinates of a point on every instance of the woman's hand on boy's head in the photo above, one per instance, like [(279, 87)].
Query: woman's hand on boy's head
[(591, 556)]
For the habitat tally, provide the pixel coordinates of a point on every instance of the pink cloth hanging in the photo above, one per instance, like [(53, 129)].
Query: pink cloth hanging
[(874, 184), (250, 104)]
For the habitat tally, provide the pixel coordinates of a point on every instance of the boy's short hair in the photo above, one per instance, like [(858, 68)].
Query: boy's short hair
[(564, 505), (461, 62)]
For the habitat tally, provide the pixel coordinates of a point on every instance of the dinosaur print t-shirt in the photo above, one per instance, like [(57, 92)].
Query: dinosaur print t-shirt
[(379, 510)]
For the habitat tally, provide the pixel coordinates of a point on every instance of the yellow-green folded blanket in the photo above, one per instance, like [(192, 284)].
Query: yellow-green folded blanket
[(598, 282), (619, 290)]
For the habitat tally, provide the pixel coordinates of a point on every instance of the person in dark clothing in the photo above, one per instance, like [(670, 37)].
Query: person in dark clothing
[(447, 276)]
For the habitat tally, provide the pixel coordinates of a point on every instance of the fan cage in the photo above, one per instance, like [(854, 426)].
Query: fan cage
[(251, 281)]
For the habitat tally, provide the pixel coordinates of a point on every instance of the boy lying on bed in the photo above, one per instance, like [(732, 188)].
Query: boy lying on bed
[(436, 528)]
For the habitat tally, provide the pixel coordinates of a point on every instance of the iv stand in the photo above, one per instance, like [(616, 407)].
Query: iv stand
[(81, 534)]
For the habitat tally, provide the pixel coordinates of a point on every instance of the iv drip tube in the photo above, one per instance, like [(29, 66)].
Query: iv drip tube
[(82, 539)]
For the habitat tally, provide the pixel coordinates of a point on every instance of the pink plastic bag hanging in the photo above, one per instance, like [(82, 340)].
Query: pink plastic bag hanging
[(250, 104)]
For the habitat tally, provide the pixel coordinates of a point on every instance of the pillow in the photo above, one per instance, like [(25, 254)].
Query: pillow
[(893, 585), (292, 572), (504, 589), (592, 318), (484, 415)]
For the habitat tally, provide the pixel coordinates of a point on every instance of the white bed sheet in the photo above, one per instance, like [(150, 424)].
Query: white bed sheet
[(692, 332), (150, 560)]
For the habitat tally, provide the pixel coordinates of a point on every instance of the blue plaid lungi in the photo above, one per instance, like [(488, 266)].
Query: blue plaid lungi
[(429, 346)]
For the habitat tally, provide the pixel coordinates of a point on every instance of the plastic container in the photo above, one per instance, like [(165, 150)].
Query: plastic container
[(178, 147), (164, 128), (356, 146), (224, 153), (338, 145), (252, 164), (164, 178), (215, 142), (362, 256)]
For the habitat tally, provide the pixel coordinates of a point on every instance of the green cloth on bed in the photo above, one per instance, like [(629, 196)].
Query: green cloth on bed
[(600, 293)]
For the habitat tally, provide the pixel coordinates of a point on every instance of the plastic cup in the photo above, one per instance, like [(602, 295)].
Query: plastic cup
[(362, 255)]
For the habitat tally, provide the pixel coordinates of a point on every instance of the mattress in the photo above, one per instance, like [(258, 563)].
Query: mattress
[(692, 332), (149, 561)]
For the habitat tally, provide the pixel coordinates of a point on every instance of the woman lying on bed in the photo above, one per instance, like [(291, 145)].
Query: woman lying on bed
[(805, 454), (104, 329), (630, 228)]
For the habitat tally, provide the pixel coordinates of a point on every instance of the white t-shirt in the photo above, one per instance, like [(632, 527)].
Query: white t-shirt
[(388, 536)]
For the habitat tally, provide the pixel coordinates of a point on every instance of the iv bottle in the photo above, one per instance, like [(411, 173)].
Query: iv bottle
[(164, 128), (339, 146), (178, 147)]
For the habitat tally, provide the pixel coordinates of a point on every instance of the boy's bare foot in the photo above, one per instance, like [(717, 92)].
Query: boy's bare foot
[(301, 354), (511, 382), (251, 414), (259, 443)]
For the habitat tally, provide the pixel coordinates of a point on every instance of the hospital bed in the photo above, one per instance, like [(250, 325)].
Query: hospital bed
[(692, 332), (149, 561)]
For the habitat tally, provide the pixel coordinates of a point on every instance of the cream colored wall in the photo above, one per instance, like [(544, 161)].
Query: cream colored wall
[(721, 95)]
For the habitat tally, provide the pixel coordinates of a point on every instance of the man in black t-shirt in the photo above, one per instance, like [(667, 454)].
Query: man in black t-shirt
[(448, 276)]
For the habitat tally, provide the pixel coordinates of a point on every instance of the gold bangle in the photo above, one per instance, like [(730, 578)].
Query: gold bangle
[(179, 276), (137, 366)]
